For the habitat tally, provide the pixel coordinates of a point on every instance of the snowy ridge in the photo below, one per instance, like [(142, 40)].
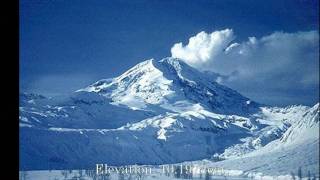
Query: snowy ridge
[(304, 129), (297, 148)]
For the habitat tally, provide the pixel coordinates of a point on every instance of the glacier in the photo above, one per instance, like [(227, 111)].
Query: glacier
[(165, 112)]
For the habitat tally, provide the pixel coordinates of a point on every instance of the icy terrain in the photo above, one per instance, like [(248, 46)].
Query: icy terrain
[(164, 112)]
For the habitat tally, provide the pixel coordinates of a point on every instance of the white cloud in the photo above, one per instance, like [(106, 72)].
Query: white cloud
[(286, 64), (203, 47)]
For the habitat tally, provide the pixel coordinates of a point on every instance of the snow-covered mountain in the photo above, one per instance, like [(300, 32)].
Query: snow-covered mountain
[(157, 112), (169, 84)]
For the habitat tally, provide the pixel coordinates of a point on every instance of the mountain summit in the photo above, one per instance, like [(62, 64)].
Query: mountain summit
[(173, 85)]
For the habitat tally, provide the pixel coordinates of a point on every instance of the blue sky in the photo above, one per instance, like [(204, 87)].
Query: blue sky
[(66, 45)]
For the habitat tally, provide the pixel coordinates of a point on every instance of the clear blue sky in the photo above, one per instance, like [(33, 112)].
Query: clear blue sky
[(68, 44)]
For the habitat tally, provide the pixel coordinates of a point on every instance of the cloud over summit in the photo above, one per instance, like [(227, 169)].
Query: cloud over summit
[(203, 47), (286, 64)]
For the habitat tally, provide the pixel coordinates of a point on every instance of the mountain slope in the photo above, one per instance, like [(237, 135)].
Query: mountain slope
[(297, 148), (79, 110)]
